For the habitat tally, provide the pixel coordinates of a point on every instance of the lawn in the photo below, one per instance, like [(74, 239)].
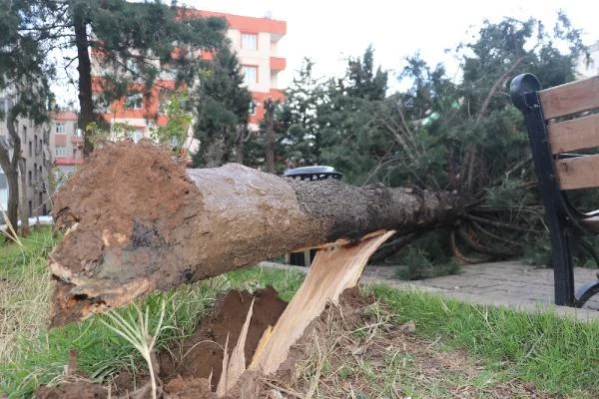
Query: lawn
[(412, 344)]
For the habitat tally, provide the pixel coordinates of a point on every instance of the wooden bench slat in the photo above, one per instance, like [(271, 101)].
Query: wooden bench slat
[(570, 98), (575, 134), (577, 173)]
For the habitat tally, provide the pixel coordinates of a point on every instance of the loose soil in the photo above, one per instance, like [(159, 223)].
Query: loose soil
[(352, 350)]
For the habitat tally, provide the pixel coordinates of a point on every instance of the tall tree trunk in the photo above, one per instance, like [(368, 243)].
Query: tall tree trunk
[(85, 80), (49, 166), (12, 208), (240, 143), (23, 206), (10, 152), (269, 108), (160, 225)]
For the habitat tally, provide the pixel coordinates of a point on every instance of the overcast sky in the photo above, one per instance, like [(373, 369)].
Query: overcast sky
[(329, 31)]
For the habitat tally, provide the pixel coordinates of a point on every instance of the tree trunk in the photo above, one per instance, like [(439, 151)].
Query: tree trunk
[(10, 152), (269, 108), (49, 166), (12, 208), (85, 80), (135, 221), (23, 207), (240, 144)]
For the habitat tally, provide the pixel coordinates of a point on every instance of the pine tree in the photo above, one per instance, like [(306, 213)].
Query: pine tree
[(132, 42), (24, 84), (222, 111)]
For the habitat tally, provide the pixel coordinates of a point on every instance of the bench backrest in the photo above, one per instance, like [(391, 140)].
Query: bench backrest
[(579, 133), (567, 126)]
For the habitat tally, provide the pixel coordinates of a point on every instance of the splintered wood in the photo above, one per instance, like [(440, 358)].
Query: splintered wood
[(332, 272), (335, 269)]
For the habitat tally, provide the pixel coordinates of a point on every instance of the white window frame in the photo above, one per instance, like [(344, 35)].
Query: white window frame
[(249, 41), (60, 128), (246, 77), (61, 151), (134, 101)]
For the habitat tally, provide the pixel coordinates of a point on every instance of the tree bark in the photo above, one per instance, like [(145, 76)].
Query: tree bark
[(23, 207), (85, 80), (135, 221), (10, 152), (49, 166), (269, 108), (240, 143)]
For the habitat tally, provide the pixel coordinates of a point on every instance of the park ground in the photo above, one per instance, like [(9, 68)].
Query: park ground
[(382, 342)]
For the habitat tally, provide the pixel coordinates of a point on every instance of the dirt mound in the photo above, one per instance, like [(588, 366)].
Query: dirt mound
[(187, 369), (202, 354), (81, 389)]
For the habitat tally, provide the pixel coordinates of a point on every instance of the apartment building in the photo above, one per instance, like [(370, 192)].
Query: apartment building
[(33, 144), (66, 141), (255, 42)]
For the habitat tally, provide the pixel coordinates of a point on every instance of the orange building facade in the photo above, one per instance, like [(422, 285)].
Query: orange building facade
[(254, 40)]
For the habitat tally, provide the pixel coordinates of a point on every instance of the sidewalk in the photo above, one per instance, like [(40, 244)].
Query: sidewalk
[(511, 284)]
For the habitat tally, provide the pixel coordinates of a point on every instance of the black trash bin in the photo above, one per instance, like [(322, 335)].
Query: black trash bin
[(317, 172)]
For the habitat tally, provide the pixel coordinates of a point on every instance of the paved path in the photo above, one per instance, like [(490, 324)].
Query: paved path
[(510, 284)]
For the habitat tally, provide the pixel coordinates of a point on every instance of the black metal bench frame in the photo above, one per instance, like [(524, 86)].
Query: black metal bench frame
[(564, 221)]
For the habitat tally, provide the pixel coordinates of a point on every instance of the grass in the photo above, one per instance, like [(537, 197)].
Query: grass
[(560, 356)]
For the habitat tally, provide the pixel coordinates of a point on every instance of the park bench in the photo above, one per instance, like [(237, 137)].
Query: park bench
[(561, 120)]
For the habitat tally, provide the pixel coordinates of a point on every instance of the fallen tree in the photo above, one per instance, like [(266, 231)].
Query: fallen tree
[(135, 220)]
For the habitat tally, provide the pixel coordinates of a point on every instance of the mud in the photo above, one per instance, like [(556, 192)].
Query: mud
[(202, 354), (75, 390), (122, 207)]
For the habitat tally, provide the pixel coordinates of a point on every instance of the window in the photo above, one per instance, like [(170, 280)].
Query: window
[(60, 128), (252, 109), (136, 135), (30, 180), (30, 149), (35, 171), (61, 152), (134, 101), (250, 74), (5, 105), (40, 172), (41, 198), (249, 41), (132, 66), (30, 209), (35, 143), (24, 134)]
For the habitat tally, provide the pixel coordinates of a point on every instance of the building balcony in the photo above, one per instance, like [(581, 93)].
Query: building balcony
[(77, 141), (277, 63)]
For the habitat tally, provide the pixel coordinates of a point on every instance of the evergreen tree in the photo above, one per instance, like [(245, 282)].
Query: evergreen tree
[(222, 111), (133, 42), (24, 85)]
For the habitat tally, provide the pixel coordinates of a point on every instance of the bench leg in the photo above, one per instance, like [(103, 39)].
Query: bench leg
[(563, 271), (585, 292)]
